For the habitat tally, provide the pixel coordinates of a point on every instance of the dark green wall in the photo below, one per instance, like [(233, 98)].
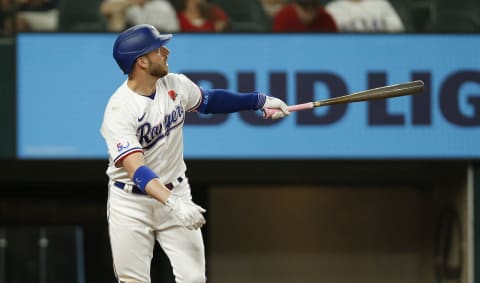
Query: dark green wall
[(7, 98)]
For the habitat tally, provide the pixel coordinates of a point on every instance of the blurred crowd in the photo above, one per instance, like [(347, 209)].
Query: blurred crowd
[(226, 16)]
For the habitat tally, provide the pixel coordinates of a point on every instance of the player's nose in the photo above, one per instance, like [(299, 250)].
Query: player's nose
[(164, 50)]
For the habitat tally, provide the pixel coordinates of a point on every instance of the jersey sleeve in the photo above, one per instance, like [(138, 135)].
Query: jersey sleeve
[(192, 95), (119, 132)]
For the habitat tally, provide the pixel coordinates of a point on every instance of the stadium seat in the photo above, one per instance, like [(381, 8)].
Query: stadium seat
[(245, 15), (80, 16), (455, 22), (403, 10), (420, 12), (454, 16)]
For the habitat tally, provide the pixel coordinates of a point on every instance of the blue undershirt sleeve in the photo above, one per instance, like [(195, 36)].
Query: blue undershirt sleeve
[(225, 101)]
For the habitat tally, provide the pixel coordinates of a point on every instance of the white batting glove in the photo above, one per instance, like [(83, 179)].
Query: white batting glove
[(189, 213), (275, 103)]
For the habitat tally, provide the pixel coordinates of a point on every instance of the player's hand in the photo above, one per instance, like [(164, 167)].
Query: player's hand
[(275, 103), (189, 213)]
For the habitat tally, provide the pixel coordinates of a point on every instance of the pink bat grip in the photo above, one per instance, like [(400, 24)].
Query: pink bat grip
[(268, 112)]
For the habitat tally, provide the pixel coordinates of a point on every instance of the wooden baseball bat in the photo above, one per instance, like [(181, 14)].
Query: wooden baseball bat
[(389, 91)]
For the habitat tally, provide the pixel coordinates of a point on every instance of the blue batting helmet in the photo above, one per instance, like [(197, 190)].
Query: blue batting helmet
[(135, 42)]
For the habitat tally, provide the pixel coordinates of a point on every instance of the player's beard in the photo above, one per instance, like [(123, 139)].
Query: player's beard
[(157, 69)]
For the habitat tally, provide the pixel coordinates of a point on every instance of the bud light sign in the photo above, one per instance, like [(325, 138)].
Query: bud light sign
[(63, 92)]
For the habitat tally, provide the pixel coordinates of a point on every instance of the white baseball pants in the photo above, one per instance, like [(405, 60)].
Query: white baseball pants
[(136, 222)]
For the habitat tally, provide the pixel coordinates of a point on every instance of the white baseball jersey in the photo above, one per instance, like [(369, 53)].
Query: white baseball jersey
[(152, 125), (365, 16)]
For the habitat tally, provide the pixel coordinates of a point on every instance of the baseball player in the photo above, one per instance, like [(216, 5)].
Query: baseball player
[(149, 194)]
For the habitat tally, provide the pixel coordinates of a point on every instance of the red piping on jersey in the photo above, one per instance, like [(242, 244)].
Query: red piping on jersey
[(194, 108), (122, 157)]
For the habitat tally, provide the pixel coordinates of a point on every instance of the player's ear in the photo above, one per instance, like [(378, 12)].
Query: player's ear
[(142, 61)]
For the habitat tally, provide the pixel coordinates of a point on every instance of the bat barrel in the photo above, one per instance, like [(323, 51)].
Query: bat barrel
[(376, 93)]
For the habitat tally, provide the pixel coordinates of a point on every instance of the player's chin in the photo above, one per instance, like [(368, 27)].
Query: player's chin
[(165, 69), (160, 72)]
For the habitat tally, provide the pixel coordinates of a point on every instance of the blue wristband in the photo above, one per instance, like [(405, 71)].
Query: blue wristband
[(142, 176)]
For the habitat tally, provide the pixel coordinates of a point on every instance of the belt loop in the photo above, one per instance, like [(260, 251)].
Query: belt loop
[(178, 180), (128, 188)]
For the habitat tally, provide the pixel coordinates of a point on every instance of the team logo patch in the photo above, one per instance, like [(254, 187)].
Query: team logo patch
[(121, 146), (172, 94)]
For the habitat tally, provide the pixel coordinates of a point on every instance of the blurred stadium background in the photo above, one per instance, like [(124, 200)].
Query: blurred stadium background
[(374, 217)]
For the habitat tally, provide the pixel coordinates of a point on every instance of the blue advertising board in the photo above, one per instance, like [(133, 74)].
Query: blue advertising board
[(64, 82)]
